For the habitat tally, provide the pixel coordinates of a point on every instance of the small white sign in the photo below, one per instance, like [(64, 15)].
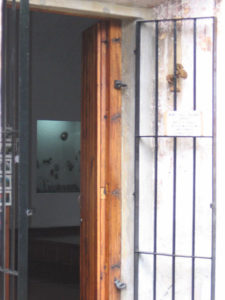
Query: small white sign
[(183, 123)]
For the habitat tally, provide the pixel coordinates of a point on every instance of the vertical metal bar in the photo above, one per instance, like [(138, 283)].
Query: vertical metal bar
[(12, 99), (24, 123), (156, 156), (213, 161), (3, 128), (174, 162), (137, 129), (194, 62), (194, 163)]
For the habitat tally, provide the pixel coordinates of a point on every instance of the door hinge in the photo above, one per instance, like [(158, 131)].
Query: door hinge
[(118, 84), (116, 40), (119, 285)]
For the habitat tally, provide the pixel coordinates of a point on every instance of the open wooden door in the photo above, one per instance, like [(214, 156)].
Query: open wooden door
[(101, 162)]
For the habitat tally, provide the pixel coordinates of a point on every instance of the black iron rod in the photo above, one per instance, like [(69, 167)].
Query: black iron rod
[(213, 271), (174, 163), (172, 255), (178, 19), (137, 129), (24, 125), (156, 157), (3, 128), (194, 218), (194, 163), (12, 100), (172, 136)]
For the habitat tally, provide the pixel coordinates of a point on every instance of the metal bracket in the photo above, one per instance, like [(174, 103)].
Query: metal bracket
[(119, 285), (116, 40), (118, 84), (29, 212)]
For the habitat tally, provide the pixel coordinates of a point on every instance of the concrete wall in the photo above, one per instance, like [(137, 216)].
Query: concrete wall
[(184, 167), (175, 9), (184, 162)]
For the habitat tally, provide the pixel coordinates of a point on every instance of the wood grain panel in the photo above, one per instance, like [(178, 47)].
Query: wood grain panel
[(101, 162), (114, 158), (89, 174)]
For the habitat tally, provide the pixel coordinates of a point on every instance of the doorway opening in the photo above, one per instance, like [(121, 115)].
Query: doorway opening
[(44, 127), (54, 229)]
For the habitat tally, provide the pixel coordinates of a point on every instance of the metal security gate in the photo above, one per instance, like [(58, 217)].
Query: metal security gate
[(175, 167), (14, 151)]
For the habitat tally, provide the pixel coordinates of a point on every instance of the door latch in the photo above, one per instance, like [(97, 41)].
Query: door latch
[(119, 285), (29, 212), (118, 84)]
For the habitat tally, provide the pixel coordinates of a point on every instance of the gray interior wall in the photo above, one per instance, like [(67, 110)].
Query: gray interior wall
[(56, 95)]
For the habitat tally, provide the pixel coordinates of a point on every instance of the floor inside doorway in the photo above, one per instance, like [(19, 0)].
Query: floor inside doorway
[(54, 256), (47, 290)]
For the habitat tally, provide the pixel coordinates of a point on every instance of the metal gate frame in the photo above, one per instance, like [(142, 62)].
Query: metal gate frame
[(156, 136), (15, 124)]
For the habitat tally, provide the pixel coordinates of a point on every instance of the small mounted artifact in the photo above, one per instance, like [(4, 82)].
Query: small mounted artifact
[(180, 73), (70, 166), (47, 161), (64, 136)]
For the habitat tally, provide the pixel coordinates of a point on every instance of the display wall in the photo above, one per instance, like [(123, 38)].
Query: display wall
[(56, 95), (58, 157)]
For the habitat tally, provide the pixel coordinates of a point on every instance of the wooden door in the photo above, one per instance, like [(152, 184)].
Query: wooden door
[(101, 162)]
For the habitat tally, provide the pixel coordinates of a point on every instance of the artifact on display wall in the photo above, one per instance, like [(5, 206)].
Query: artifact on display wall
[(58, 156)]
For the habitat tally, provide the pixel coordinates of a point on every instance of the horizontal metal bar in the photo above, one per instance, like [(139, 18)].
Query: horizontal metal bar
[(172, 255), (179, 19), (8, 271), (172, 136)]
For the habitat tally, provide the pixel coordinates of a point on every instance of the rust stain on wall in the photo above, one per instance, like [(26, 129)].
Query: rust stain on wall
[(206, 43)]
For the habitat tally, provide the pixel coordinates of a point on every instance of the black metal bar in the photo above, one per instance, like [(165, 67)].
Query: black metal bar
[(137, 132), (172, 255), (12, 99), (178, 19), (194, 62), (193, 218), (174, 162), (3, 137), (213, 268), (171, 136), (24, 125), (194, 164), (156, 156)]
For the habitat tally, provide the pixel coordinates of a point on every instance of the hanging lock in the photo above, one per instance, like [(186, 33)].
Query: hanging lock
[(119, 285), (118, 84)]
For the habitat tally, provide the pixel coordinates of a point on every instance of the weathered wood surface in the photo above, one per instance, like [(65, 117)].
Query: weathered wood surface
[(101, 162)]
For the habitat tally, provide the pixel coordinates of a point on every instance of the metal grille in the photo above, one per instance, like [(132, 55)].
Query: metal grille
[(14, 151), (168, 263)]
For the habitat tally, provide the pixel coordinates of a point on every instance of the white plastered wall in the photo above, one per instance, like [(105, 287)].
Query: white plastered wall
[(128, 127), (202, 9), (176, 9)]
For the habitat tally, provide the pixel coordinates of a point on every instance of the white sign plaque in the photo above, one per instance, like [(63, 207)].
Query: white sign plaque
[(183, 123)]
